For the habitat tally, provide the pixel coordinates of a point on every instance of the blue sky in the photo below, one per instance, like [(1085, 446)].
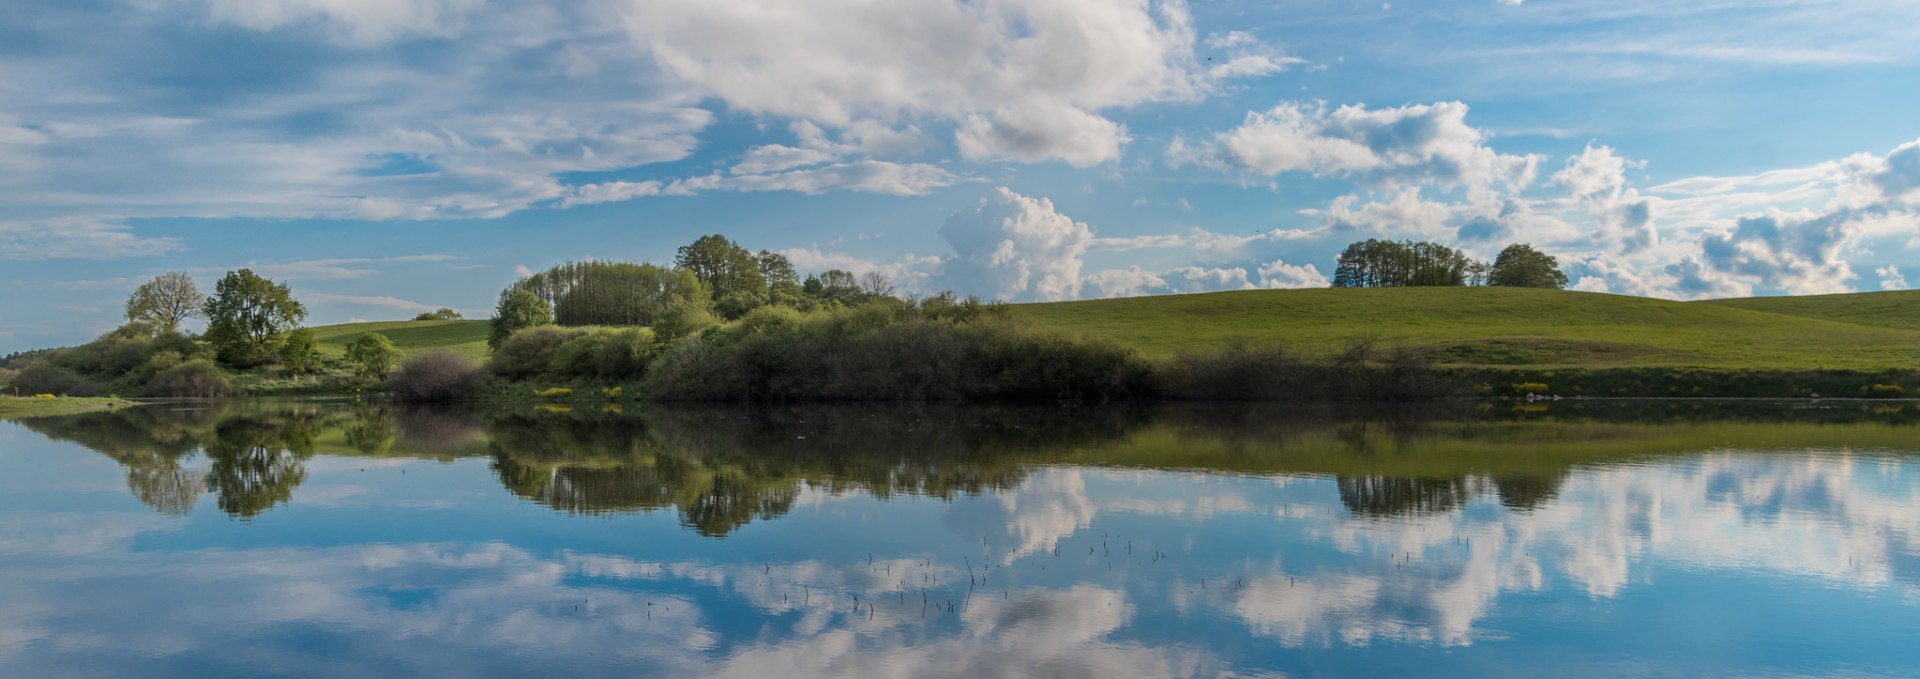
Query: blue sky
[(390, 156)]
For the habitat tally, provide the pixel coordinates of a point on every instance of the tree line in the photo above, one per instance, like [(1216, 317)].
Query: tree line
[(1376, 263)]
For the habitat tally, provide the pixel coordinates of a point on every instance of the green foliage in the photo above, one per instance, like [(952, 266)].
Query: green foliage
[(248, 316), (611, 293), (1375, 263), (729, 271), (554, 393), (1521, 266), (6, 379), (192, 379), (45, 378), (519, 309), (683, 321), (1884, 391), (441, 314), (165, 301), (373, 356), (612, 393), (626, 353), (888, 351), (437, 376), (297, 353), (529, 353), (1530, 388)]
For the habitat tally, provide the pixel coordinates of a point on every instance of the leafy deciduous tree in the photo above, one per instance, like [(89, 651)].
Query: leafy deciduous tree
[(297, 353), (373, 356), (248, 317), (519, 309), (1521, 266)]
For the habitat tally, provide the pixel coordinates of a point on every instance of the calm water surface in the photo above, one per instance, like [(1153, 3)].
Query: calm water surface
[(315, 539)]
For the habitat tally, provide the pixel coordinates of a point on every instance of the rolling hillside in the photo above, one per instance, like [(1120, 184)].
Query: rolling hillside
[(1460, 326)]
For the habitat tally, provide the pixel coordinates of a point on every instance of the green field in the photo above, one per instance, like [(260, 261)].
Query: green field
[(468, 338), (27, 406), (1494, 327)]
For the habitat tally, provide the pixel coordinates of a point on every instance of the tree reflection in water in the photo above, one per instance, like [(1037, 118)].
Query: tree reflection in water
[(721, 468)]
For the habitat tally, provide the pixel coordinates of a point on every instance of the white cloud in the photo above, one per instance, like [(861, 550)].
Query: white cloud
[(1597, 181), (1891, 278), (1406, 213), (78, 238), (1795, 252), (838, 63), (330, 269), (353, 22), (1013, 247), (1278, 274), (1404, 146), (383, 301), (1037, 131)]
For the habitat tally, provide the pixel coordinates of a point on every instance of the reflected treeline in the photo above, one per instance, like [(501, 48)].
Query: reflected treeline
[(721, 468)]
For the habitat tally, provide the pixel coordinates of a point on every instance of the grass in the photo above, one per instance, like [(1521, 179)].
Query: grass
[(1465, 327), (28, 406), (1897, 309), (468, 338), (1501, 327)]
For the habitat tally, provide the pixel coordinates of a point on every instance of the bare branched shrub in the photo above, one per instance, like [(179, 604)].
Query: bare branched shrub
[(437, 376)]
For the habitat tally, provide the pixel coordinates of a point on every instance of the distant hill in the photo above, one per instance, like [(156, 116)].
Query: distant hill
[(464, 337), (1458, 326)]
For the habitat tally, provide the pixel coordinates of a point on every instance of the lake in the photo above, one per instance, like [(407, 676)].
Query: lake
[(287, 538)]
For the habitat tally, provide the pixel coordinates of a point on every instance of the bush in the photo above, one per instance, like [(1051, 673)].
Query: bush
[(1885, 391), (436, 376), (626, 353), (1529, 388), (684, 320), (193, 379), (554, 393), (297, 353), (529, 352), (373, 356), (579, 356), (41, 378), (6, 377)]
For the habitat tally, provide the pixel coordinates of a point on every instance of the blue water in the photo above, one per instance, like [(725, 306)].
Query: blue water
[(356, 540)]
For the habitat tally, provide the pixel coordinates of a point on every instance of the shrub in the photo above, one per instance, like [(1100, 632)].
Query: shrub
[(554, 393), (1885, 391), (297, 353), (41, 378), (612, 393), (373, 356), (6, 377), (436, 376), (579, 356), (684, 320), (529, 352), (626, 353), (193, 379), (1529, 388)]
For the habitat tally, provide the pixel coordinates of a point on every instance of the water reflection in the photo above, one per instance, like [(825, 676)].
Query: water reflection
[(979, 541)]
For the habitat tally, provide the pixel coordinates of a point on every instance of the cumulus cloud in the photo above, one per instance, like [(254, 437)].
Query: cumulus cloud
[(1795, 252), (1404, 214), (840, 62), (1408, 145), (1134, 281), (1891, 278), (1013, 247), (1597, 181), (1278, 274)]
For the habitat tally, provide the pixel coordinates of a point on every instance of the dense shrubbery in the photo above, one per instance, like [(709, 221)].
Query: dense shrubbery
[(192, 379), (889, 351), (45, 378), (436, 376), (1362, 372)]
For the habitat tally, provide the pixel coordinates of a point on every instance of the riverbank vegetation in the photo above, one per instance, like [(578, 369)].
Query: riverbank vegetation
[(1408, 321)]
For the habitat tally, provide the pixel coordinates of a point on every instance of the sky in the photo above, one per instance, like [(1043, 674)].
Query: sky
[(387, 157)]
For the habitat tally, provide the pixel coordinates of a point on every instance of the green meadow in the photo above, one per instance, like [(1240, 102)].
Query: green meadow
[(1458, 326)]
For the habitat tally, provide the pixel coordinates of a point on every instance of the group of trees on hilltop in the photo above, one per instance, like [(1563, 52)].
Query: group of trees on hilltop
[(1375, 263), (711, 278)]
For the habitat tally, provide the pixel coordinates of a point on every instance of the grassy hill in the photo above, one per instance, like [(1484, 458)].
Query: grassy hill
[(464, 337), (1460, 326), (1899, 309)]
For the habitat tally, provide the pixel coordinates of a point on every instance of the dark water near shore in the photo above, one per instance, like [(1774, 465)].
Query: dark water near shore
[(339, 539)]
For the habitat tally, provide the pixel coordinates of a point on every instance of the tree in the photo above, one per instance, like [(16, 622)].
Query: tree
[(1375, 263), (876, 284), (613, 293), (1521, 266), (441, 314), (373, 356), (519, 309), (248, 317), (165, 301), (297, 353), (727, 270)]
